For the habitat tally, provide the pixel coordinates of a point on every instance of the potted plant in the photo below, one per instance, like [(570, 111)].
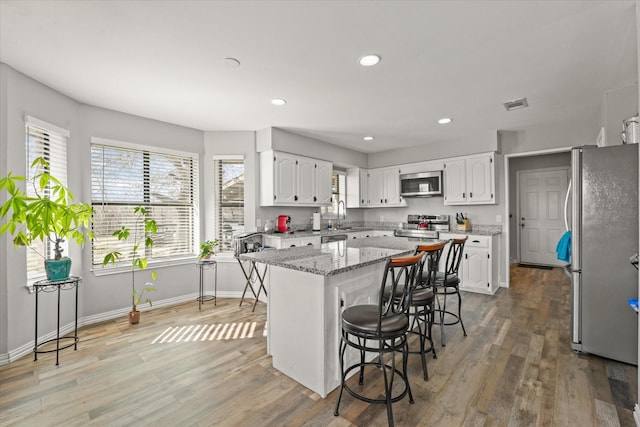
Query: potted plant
[(206, 248), (46, 216), (138, 260)]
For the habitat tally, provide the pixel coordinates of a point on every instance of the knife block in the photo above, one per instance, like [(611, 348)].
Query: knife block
[(465, 226)]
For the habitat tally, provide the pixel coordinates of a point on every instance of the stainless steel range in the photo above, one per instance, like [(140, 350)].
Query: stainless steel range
[(424, 226)]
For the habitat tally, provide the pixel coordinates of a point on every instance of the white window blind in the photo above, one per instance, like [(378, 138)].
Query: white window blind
[(229, 200), (165, 183), (50, 142)]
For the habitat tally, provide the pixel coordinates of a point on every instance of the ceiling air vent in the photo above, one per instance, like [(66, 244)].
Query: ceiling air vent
[(516, 104)]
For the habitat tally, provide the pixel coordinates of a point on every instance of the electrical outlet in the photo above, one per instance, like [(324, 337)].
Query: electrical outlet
[(498, 218)]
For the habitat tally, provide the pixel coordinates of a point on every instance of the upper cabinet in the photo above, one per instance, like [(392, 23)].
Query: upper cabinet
[(292, 180), (324, 174), (470, 180), (374, 188)]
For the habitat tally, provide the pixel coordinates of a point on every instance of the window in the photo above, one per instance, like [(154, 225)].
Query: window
[(165, 182), (338, 193), (50, 142), (229, 199)]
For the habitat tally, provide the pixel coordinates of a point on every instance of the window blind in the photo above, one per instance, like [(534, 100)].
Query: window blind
[(165, 183), (50, 142), (229, 200)]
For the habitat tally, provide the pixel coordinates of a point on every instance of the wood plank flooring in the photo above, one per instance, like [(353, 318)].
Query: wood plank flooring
[(183, 367)]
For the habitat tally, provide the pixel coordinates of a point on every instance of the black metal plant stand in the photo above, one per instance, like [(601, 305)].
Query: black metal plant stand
[(52, 286), (207, 264)]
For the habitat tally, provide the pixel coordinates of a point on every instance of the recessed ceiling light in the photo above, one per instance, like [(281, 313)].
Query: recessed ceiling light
[(278, 101), (368, 138), (445, 121), (231, 62), (369, 60)]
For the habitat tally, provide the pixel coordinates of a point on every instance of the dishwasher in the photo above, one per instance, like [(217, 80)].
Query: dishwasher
[(333, 238)]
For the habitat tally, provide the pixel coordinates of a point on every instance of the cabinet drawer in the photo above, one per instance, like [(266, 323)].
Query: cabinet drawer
[(478, 241)]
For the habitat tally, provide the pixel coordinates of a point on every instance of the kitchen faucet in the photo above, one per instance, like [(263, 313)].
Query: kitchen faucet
[(343, 211)]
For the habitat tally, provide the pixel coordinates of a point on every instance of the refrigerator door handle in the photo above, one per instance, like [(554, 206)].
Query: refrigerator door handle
[(566, 208)]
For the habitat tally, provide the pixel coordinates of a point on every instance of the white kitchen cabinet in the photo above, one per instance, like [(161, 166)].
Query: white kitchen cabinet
[(479, 267), (279, 242), (382, 233), (358, 188), (292, 180), (306, 181), (374, 188), (470, 180), (324, 175)]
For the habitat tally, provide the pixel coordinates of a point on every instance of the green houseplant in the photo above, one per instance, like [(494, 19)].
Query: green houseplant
[(207, 248), (140, 241), (46, 216)]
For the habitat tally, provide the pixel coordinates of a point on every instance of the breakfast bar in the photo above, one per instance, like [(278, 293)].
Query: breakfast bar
[(308, 288)]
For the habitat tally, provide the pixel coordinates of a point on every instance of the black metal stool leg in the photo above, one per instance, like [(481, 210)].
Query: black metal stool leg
[(464, 331)]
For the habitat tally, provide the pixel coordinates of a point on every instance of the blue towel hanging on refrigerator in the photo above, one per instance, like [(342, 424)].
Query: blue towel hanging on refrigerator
[(563, 249)]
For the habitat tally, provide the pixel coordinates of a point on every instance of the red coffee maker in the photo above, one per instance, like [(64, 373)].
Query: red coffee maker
[(284, 223)]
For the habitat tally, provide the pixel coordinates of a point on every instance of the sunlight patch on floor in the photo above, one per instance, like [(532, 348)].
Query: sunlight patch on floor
[(214, 332)]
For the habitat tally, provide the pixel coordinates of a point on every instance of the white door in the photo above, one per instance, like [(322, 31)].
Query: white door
[(364, 188), (376, 187), (392, 186), (455, 181), (306, 180), (285, 179), (324, 172), (541, 209), (479, 176), (475, 268)]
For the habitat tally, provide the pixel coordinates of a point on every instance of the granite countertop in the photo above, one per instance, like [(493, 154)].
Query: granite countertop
[(479, 230), (335, 257), (324, 232)]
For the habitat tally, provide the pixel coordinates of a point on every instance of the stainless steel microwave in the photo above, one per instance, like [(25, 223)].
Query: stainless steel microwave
[(423, 184)]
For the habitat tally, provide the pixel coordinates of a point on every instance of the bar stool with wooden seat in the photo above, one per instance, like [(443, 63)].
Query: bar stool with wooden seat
[(381, 328), (421, 310), (446, 283)]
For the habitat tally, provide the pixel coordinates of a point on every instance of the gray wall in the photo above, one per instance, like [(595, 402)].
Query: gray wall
[(98, 295)]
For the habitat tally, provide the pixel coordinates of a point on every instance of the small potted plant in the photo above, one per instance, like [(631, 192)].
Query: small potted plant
[(206, 249), (46, 216), (138, 261)]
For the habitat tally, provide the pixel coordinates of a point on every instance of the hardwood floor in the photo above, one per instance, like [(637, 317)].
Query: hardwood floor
[(178, 367)]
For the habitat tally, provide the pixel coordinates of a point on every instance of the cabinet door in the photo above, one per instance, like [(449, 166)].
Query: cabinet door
[(324, 172), (285, 178), (376, 187), (306, 182), (455, 182), (392, 186), (365, 200), (480, 179), (475, 271)]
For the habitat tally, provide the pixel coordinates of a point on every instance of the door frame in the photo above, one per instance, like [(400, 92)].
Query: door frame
[(507, 186), (519, 229)]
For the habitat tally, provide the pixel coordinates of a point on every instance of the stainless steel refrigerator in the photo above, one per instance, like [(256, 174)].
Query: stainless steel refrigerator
[(604, 235)]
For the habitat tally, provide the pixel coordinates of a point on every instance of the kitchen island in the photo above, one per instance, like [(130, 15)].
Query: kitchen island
[(307, 290)]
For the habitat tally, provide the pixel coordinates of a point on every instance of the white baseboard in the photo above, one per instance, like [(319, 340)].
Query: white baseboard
[(636, 414), (27, 348)]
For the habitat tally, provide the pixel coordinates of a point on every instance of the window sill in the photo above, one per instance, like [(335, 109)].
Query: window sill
[(126, 268)]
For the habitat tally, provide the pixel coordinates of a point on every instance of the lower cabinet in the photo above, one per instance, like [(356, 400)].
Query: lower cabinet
[(479, 266), (278, 242)]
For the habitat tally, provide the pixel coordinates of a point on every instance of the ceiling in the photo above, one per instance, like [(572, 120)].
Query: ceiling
[(460, 59)]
